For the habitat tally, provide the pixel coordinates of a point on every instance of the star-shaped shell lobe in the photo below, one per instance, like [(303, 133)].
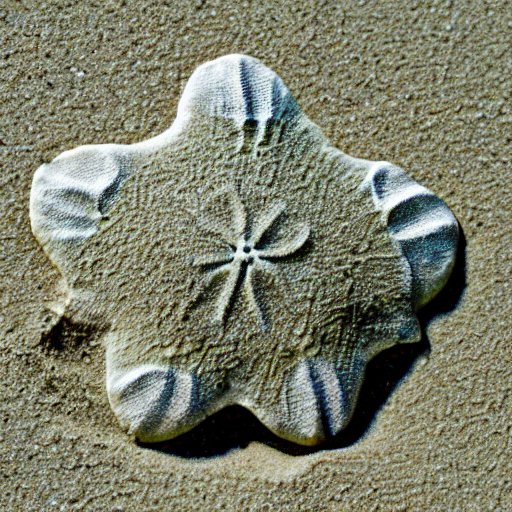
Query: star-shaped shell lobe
[(239, 258)]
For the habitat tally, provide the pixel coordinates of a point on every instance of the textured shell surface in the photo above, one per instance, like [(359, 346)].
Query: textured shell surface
[(238, 258)]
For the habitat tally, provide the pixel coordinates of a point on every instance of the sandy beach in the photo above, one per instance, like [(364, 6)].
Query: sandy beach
[(425, 85)]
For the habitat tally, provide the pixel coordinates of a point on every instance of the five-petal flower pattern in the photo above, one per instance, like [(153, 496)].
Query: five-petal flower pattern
[(246, 254), (238, 258)]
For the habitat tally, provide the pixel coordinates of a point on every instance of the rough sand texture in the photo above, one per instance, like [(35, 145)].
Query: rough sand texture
[(425, 86)]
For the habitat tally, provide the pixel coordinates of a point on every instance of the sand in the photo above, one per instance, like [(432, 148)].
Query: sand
[(426, 86)]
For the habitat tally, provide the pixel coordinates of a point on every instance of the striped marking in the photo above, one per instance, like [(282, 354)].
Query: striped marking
[(316, 403), (153, 403), (422, 225)]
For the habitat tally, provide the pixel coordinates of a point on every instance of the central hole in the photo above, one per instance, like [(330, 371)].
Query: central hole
[(247, 249)]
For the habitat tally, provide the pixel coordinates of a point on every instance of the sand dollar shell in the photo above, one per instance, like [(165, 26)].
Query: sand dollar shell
[(239, 258)]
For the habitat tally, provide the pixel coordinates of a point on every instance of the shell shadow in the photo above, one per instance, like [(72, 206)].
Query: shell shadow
[(235, 427)]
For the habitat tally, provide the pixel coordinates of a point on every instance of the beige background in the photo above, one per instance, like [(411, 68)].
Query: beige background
[(423, 84)]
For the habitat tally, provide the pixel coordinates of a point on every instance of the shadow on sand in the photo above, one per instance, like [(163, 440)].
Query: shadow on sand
[(235, 427)]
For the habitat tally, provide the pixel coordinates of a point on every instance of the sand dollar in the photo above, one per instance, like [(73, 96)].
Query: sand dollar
[(239, 258)]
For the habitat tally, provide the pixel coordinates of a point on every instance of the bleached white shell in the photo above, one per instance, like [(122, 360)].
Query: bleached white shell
[(316, 401), (239, 258), (239, 88), (71, 195), (151, 401), (422, 225)]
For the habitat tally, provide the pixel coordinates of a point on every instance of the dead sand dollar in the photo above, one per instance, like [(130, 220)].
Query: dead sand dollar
[(239, 258)]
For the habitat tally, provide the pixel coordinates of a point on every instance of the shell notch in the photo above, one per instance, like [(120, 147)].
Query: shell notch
[(239, 258)]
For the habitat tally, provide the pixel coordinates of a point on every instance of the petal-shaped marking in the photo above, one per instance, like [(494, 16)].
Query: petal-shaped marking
[(152, 402), (209, 278), (287, 248), (421, 223), (224, 215), (266, 221), (249, 283), (212, 259), (226, 297)]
